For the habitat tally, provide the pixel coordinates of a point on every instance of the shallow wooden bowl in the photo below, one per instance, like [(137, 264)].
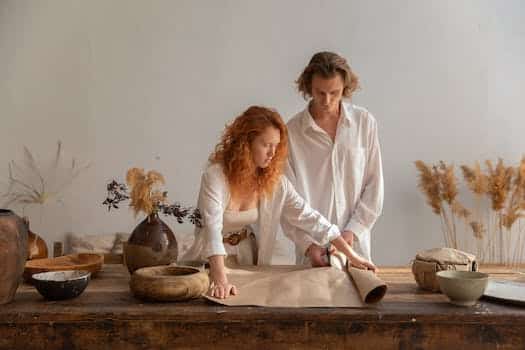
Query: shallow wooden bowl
[(82, 261), (168, 283)]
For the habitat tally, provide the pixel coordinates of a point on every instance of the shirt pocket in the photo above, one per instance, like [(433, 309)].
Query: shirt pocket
[(353, 167)]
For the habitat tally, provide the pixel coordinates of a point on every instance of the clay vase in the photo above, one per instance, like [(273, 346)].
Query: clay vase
[(13, 253), (36, 246), (152, 243)]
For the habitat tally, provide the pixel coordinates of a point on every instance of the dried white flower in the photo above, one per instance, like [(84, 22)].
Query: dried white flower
[(28, 183)]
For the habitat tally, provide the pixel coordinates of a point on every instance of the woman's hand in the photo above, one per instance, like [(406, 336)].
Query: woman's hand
[(219, 285), (361, 263), (221, 288), (353, 258)]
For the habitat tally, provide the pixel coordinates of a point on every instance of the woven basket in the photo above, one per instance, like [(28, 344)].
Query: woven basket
[(428, 262)]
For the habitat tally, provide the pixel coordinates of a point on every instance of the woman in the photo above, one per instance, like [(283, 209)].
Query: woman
[(243, 187)]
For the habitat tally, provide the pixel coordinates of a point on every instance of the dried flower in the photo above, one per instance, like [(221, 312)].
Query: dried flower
[(508, 219), (503, 186), (31, 183), (448, 182), (459, 210), (499, 183), (439, 184), (429, 185), (116, 193), (476, 180), (478, 229), (147, 197)]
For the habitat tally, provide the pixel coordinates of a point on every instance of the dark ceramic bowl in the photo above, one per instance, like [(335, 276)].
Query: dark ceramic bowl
[(60, 285)]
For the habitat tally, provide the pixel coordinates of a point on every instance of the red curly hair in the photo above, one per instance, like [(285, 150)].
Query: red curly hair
[(234, 152)]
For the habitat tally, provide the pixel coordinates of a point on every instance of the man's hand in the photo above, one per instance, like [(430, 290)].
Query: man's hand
[(318, 255), (349, 237)]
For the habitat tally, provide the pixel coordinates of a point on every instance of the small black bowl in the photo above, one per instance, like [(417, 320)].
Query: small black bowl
[(60, 285)]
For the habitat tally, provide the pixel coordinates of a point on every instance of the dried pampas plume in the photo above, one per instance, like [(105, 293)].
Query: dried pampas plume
[(448, 182), (499, 183), (145, 197), (459, 210), (476, 180), (439, 184), (478, 229), (429, 185)]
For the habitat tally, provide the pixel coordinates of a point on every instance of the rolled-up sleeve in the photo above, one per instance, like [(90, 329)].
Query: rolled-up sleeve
[(211, 206), (298, 214)]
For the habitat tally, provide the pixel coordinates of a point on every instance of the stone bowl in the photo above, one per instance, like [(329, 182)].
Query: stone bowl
[(60, 285), (463, 288)]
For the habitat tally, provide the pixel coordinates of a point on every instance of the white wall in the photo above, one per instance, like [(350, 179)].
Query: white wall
[(152, 83)]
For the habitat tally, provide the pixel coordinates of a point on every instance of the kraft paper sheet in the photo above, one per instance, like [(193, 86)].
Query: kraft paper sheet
[(302, 286)]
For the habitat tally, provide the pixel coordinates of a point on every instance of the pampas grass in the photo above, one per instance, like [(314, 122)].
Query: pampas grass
[(145, 196), (501, 187), (439, 184)]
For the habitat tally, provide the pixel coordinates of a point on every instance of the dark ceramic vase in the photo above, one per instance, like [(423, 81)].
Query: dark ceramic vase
[(152, 243), (13, 253), (36, 246)]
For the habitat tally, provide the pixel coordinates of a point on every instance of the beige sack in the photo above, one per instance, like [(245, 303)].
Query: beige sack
[(428, 262)]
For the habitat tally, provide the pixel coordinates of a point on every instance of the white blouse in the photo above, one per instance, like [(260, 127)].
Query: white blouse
[(285, 204)]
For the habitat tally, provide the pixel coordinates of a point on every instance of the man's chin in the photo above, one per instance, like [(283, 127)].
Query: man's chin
[(329, 109)]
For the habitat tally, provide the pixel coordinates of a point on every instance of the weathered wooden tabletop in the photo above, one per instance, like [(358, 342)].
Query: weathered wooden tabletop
[(107, 316)]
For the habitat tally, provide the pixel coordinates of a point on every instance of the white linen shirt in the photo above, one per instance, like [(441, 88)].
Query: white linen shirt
[(285, 205), (342, 179)]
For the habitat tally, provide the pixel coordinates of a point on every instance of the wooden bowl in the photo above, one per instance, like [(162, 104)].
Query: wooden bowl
[(82, 261), (60, 285), (168, 283), (198, 264)]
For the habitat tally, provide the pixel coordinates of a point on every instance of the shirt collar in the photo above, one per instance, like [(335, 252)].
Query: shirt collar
[(347, 110)]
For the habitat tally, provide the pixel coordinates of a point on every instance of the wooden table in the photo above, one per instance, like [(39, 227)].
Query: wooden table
[(106, 316)]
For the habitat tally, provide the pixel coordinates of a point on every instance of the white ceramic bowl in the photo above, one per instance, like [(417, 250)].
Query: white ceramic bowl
[(463, 288)]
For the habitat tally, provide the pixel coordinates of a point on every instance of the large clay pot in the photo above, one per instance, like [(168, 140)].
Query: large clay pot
[(13, 253), (36, 246), (152, 243)]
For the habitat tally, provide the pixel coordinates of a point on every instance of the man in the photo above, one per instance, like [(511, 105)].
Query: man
[(334, 158)]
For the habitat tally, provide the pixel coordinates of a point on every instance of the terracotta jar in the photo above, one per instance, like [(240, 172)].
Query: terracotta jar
[(36, 246), (13, 253), (152, 243)]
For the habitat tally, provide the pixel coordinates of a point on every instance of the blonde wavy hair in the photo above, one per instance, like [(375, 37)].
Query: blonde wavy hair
[(327, 65), (234, 151)]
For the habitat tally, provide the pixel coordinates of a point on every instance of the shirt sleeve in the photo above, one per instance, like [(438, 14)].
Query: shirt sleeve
[(211, 206), (298, 214), (370, 203), (302, 241)]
